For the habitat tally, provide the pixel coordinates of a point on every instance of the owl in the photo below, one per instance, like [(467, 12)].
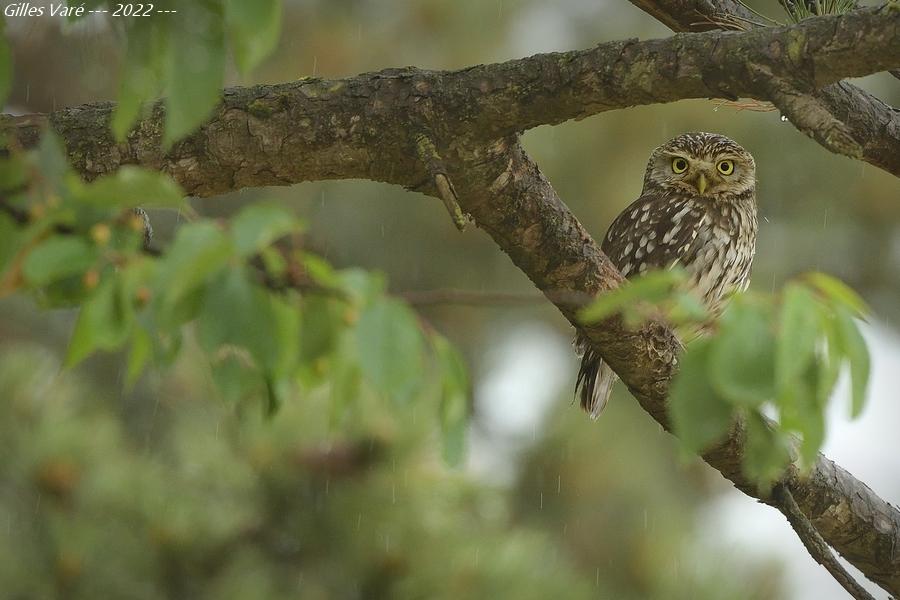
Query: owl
[(697, 209)]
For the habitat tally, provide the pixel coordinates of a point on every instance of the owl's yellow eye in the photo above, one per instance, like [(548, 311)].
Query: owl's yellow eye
[(679, 165), (725, 167)]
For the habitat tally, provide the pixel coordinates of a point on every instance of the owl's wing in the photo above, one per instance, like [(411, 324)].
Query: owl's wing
[(655, 232)]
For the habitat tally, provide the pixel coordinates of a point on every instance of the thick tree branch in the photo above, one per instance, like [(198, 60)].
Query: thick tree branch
[(368, 127), (871, 123)]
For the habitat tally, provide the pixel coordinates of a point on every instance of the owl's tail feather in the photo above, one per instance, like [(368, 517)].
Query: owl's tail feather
[(595, 380)]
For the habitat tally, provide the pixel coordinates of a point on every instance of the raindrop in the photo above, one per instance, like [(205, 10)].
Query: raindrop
[(783, 119), (597, 579), (716, 108), (558, 484), (542, 500), (358, 520)]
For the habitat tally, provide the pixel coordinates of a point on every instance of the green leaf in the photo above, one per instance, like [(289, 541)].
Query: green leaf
[(194, 73), (50, 161), (253, 29), (132, 186), (141, 75), (320, 271), (359, 285), (686, 309), (104, 322), (454, 400), (257, 226), (58, 257), (831, 358), (238, 312), (6, 69), (276, 393), (13, 172), (857, 353), (390, 347), (741, 363), (11, 240), (200, 250), (141, 351), (799, 332), (802, 409), (838, 292), (236, 378), (766, 452), (652, 287), (321, 324), (699, 415), (344, 376)]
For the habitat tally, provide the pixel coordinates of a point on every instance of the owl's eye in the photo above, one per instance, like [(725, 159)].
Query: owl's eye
[(725, 167), (679, 165)]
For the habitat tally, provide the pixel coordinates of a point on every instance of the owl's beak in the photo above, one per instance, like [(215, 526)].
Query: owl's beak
[(702, 183)]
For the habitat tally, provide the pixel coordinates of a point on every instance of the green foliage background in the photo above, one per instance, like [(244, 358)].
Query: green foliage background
[(174, 484)]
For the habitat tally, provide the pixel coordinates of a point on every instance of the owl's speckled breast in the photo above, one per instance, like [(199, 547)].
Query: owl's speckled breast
[(725, 245)]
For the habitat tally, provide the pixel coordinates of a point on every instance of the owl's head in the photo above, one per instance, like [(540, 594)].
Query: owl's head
[(704, 164)]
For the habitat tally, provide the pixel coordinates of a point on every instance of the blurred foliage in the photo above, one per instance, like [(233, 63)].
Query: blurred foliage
[(782, 352), (267, 317), (595, 495), (213, 506)]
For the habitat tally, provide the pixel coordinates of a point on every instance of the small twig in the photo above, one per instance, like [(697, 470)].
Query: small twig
[(815, 545), (429, 155), (808, 114)]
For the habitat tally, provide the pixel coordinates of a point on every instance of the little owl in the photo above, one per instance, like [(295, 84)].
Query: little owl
[(697, 210)]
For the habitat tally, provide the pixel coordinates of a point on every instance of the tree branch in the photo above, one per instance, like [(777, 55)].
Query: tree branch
[(366, 127), (871, 123), (510, 198), (814, 543)]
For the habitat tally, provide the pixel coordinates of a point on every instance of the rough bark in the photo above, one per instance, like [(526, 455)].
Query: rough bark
[(371, 126), (872, 124), (258, 133)]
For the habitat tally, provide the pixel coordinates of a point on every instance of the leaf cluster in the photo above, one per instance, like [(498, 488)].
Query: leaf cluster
[(771, 362), (273, 319)]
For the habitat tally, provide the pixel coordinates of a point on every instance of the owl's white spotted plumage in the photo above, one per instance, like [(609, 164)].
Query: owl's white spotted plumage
[(698, 210)]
